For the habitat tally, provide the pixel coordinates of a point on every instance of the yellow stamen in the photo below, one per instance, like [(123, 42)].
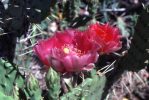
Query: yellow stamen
[(66, 50)]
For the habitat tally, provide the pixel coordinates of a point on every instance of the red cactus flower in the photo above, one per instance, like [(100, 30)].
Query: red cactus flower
[(106, 36), (42, 49), (68, 51)]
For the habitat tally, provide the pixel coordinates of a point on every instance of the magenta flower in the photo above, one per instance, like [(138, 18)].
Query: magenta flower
[(68, 51), (106, 36)]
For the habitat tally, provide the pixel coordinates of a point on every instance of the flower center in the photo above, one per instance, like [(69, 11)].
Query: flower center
[(66, 50), (71, 49)]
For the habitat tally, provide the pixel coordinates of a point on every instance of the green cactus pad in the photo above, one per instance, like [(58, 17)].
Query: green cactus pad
[(33, 91), (4, 97), (10, 78), (53, 84), (90, 89)]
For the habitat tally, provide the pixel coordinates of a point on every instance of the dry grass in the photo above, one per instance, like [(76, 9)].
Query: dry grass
[(131, 86)]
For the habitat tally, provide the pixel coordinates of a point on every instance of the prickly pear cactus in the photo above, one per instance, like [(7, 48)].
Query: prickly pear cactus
[(4, 97), (15, 17), (10, 78), (90, 89), (53, 84), (33, 91), (19, 13), (138, 53)]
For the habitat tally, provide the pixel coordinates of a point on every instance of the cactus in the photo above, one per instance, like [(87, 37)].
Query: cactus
[(15, 17), (10, 78), (16, 93), (4, 97), (53, 84), (90, 89), (19, 13), (137, 56), (33, 91)]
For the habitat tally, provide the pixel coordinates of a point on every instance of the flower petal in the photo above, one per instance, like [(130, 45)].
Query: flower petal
[(57, 65), (89, 67)]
